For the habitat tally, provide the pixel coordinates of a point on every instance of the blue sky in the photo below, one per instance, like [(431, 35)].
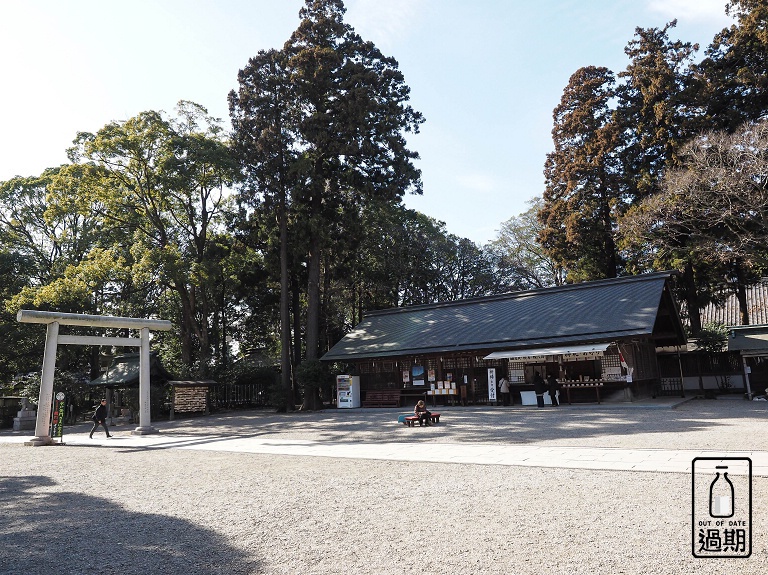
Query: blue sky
[(486, 74)]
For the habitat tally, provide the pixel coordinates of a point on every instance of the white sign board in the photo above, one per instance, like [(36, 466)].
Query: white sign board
[(491, 384)]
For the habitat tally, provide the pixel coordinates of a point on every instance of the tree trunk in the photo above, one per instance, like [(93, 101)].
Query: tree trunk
[(95, 362), (741, 295), (312, 395), (186, 330), (313, 294), (691, 298), (323, 343), (285, 314), (296, 305), (223, 345), (204, 334)]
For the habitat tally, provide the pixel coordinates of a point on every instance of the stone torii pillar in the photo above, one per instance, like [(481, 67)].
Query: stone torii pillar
[(52, 340)]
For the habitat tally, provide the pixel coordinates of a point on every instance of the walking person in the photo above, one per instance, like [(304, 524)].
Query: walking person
[(540, 387), (554, 389), (504, 390), (99, 417)]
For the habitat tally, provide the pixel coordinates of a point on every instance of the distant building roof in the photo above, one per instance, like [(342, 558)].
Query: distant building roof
[(606, 310), (123, 371), (749, 339), (192, 383), (729, 313)]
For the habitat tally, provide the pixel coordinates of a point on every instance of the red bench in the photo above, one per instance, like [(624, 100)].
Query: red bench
[(411, 420)]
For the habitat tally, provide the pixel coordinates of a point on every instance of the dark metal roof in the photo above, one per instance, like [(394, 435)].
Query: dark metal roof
[(749, 339), (606, 310), (192, 383), (123, 371)]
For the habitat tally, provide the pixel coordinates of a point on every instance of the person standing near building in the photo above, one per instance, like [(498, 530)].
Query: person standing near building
[(504, 390), (540, 387), (99, 417), (554, 387)]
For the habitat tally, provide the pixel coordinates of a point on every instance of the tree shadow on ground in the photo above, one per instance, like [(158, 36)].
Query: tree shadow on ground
[(522, 426), (697, 420), (71, 533), (702, 424)]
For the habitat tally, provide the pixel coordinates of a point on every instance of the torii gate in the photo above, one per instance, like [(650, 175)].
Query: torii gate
[(53, 339)]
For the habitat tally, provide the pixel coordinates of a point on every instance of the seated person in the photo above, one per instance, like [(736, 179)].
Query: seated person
[(421, 412)]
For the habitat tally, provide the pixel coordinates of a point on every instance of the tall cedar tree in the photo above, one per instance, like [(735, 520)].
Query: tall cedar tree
[(353, 113), (583, 179), (654, 109), (734, 73), (657, 111), (264, 139), (342, 112)]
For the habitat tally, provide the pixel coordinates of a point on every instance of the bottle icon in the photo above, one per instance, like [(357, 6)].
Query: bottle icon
[(721, 494)]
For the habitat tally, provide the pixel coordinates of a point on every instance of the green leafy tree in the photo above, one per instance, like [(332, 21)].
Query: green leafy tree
[(49, 238), (713, 338), (20, 344), (467, 271), (159, 186), (315, 378), (520, 262), (42, 246)]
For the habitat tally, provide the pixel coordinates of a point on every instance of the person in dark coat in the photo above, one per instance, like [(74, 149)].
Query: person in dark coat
[(420, 411), (554, 386), (99, 417), (540, 387)]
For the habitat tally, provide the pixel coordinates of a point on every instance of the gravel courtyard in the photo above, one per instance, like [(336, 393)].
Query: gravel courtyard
[(78, 509)]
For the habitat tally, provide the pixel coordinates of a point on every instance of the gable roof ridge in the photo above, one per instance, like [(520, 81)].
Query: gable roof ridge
[(522, 293)]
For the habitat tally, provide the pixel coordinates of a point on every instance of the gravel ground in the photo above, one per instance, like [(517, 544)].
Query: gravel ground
[(77, 510)]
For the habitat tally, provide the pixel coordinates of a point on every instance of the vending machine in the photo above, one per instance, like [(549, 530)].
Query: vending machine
[(347, 391)]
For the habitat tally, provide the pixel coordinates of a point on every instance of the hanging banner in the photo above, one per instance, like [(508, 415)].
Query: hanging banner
[(59, 407), (417, 371), (491, 384)]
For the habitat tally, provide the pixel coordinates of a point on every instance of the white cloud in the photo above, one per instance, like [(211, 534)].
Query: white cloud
[(691, 10), (385, 23)]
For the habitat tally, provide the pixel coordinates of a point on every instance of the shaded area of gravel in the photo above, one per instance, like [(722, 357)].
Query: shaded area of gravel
[(77, 510)]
